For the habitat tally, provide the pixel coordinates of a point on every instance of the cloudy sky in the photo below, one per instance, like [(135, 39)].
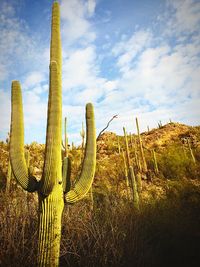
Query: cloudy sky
[(128, 57)]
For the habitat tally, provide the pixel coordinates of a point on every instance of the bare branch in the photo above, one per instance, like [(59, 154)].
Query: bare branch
[(114, 117)]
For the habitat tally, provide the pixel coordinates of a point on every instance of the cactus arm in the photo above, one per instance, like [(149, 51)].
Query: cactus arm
[(52, 163), (18, 163), (66, 173), (83, 184)]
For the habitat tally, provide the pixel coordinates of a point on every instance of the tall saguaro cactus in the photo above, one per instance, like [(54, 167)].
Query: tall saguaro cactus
[(50, 187)]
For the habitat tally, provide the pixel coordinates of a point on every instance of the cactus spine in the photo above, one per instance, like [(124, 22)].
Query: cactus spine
[(50, 188)]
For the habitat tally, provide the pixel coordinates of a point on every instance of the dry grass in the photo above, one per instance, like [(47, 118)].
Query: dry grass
[(164, 233)]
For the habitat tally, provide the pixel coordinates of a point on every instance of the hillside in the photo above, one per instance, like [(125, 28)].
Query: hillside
[(106, 228), (170, 143)]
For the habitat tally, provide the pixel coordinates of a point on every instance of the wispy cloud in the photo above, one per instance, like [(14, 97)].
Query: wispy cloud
[(75, 16)]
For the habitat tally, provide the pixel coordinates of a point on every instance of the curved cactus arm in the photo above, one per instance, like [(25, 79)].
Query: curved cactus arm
[(17, 158), (66, 173), (83, 184), (52, 171)]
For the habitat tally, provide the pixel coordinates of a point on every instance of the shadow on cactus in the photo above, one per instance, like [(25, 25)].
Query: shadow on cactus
[(50, 189)]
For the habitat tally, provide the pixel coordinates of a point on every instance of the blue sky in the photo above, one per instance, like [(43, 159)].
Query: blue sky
[(131, 58)]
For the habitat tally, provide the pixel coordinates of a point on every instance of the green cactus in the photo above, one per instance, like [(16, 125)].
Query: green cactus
[(66, 139), (66, 163), (155, 162), (191, 152), (134, 188), (127, 148), (131, 176), (50, 188), (144, 164), (159, 124), (118, 144), (126, 175)]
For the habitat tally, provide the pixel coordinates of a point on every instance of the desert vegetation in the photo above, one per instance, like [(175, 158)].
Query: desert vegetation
[(108, 230), (139, 194)]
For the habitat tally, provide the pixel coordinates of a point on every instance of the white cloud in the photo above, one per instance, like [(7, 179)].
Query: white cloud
[(158, 79), (33, 79), (82, 81), (5, 112), (75, 15), (185, 18)]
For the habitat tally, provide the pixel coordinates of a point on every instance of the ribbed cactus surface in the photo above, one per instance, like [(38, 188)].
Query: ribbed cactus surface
[(54, 186)]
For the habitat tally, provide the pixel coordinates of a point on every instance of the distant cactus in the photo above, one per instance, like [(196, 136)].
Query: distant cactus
[(66, 139), (191, 152), (155, 162), (126, 175), (159, 124), (127, 148), (118, 143), (137, 159), (144, 164), (131, 176), (50, 188), (134, 188)]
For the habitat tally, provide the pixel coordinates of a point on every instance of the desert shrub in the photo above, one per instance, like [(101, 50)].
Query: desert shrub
[(173, 164)]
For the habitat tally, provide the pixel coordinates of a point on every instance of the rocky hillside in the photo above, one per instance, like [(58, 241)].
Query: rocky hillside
[(169, 141)]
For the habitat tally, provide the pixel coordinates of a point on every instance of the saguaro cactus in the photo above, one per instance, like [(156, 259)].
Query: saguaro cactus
[(144, 164), (131, 175), (50, 188), (66, 139), (155, 162), (191, 152)]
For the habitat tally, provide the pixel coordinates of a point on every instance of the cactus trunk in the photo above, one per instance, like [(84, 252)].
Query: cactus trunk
[(50, 214)]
